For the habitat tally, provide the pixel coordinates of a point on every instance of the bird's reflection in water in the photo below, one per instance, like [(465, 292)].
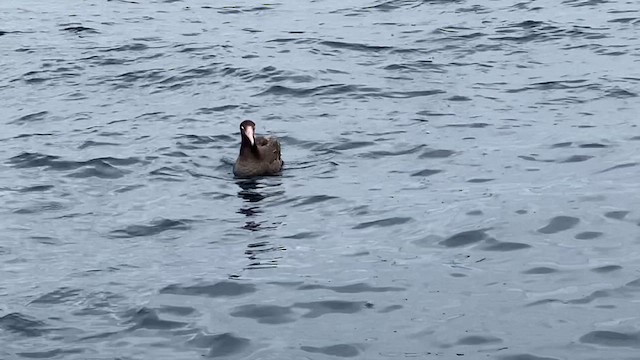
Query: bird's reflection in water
[(251, 191), (261, 254)]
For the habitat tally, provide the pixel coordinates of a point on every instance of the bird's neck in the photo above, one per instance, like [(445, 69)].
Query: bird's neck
[(246, 148)]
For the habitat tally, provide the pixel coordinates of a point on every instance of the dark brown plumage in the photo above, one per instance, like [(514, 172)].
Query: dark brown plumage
[(259, 156)]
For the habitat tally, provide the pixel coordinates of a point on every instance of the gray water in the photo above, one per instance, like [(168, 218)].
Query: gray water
[(461, 180)]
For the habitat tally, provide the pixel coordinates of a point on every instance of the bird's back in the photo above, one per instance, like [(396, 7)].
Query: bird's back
[(268, 161)]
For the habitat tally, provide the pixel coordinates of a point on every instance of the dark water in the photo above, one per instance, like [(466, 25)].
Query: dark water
[(462, 180)]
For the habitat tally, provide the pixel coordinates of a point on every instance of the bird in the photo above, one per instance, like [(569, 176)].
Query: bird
[(258, 156)]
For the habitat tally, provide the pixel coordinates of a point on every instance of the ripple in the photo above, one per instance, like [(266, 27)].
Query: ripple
[(79, 29), (127, 48), (37, 116), (617, 215), (355, 46), (377, 154), (105, 167), (314, 200), (556, 85), (525, 357), (541, 270), (625, 20), (611, 339), (40, 208), (101, 170), (167, 173), (219, 289), (606, 269), (90, 143), (558, 224), (178, 310), (320, 308), (479, 180), (215, 109), (340, 350), (146, 318), (352, 289), (331, 89), (620, 166), (458, 98), (413, 66), (505, 246), (436, 154), (588, 235), (156, 227), (353, 91), (478, 340), (477, 125), (383, 222), (58, 296), (50, 353), (264, 314), (348, 145), (23, 325), (221, 345), (426, 172), (593, 146), (465, 238), (304, 235), (576, 158)]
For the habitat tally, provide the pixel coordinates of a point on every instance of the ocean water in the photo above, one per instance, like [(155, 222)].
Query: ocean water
[(461, 180)]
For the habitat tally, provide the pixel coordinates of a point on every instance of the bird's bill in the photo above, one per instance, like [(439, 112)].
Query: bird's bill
[(250, 133)]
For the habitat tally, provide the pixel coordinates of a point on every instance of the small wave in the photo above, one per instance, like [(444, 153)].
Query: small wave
[(320, 308), (237, 9), (330, 89), (218, 289), (127, 48), (612, 338), (338, 350), (100, 169), (23, 325), (377, 154), (50, 354), (265, 314), (426, 172), (620, 93), (466, 238), (146, 318), (419, 65), (384, 222), (41, 207), (556, 85), (537, 31), (79, 29), (225, 345), (59, 296), (559, 224), (620, 166), (211, 110), (353, 288), (28, 160), (353, 91), (156, 227), (355, 46), (37, 116)]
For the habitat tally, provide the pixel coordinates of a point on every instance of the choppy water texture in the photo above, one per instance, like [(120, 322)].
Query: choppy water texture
[(462, 180)]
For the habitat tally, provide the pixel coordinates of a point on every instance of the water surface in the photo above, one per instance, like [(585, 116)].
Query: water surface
[(461, 180)]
